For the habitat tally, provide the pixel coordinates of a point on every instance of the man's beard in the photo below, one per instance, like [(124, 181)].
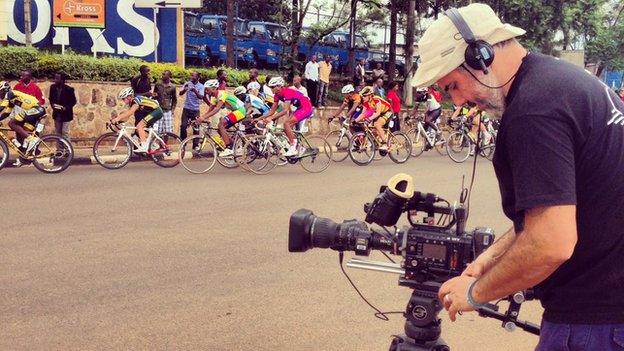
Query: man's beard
[(491, 101)]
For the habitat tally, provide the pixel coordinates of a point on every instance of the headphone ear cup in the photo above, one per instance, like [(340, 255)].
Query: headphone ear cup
[(477, 52)]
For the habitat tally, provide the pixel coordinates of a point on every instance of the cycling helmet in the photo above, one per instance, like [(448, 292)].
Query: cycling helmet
[(253, 86), (276, 81), (348, 89), (366, 91), (4, 86), (240, 90), (211, 84), (124, 93)]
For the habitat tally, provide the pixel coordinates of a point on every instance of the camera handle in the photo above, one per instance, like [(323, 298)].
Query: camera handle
[(510, 318)]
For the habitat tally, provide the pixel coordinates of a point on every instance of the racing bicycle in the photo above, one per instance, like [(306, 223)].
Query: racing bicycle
[(113, 150), (423, 141), (364, 145)]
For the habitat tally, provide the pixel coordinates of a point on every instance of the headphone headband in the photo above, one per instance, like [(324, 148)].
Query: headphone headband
[(479, 54), (461, 25)]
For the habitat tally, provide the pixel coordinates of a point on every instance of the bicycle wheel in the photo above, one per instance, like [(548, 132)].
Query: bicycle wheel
[(488, 151), (362, 149), (53, 154), (166, 153), (4, 154), (256, 156), (339, 144), (227, 161), (112, 151), (399, 147), (458, 146), (417, 140), (317, 155), (197, 154)]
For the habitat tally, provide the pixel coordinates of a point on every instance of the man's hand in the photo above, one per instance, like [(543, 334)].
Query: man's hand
[(479, 266), (454, 295)]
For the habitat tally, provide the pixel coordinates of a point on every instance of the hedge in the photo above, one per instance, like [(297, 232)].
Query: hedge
[(14, 59)]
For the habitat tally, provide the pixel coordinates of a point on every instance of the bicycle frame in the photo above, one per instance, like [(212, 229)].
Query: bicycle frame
[(128, 131), (12, 146)]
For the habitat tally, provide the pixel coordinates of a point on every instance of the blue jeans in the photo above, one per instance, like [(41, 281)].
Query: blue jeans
[(581, 337)]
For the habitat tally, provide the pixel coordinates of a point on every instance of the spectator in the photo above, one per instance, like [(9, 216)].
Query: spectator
[(325, 68), (194, 91), (267, 93), (253, 76), (378, 88), (297, 85), (311, 76), (359, 79), (62, 98), (222, 78), (378, 72), (142, 86), (27, 86), (361, 85), (395, 100), (165, 94)]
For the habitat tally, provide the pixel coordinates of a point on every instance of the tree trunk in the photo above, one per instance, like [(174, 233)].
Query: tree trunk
[(393, 37), (351, 64), (229, 32), (27, 23), (296, 32), (409, 52)]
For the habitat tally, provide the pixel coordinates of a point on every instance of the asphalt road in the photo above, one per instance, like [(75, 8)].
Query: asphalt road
[(159, 259)]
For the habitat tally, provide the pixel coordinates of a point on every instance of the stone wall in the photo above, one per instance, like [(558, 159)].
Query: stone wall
[(98, 103)]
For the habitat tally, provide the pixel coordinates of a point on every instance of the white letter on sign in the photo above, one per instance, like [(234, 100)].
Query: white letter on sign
[(43, 22), (142, 24)]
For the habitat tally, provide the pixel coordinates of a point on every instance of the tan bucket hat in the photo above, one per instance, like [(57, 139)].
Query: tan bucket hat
[(442, 47)]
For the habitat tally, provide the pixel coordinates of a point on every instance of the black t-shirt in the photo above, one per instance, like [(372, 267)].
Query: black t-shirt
[(561, 142)]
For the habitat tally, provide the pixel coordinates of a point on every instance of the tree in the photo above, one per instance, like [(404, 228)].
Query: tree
[(606, 47), (299, 11), (394, 12), (265, 10), (409, 51), (229, 32)]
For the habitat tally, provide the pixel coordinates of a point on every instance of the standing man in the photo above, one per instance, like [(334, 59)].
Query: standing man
[(62, 98), (559, 168), (311, 76), (378, 72), (165, 94), (325, 68), (222, 78), (253, 77), (194, 91), (142, 86), (359, 78), (378, 88), (27, 86), (395, 100)]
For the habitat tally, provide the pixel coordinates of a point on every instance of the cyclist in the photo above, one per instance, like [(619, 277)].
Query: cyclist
[(352, 101), (254, 104), (433, 109), (145, 107), (290, 97), (23, 124), (223, 99), (376, 110)]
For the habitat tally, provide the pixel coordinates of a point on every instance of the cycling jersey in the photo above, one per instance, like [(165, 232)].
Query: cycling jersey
[(370, 108), (31, 111), (298, 100), (257, 103), (230, 100), (352, 99), (432, 104), (149, 110)]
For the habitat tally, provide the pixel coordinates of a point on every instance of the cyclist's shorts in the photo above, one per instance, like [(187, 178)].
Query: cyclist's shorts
[(29, 118), (234, 117), (153, 117), (303, 113), (385, 117)]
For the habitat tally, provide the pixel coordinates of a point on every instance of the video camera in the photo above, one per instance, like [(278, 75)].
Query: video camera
[(434, 248)]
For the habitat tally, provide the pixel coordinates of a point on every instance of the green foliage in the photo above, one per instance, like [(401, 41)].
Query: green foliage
[(13, 59)]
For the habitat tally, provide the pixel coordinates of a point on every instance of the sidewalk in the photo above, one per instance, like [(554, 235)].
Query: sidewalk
[(83, 155)]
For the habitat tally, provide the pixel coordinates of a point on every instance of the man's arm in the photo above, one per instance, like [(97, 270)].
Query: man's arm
[(124, 116), (174, 99)]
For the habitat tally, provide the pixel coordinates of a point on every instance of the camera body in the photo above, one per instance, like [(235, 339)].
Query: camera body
[(435, 247)]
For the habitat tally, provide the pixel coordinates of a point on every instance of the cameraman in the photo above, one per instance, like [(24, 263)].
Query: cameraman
[(559, 163)]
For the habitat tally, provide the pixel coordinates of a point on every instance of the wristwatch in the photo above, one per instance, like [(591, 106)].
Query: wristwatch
[(471, 300)]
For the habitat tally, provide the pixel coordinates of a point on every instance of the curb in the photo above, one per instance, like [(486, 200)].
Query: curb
[(84, 161)]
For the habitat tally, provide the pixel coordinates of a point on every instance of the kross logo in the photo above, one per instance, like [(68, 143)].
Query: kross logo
[(72, 7)]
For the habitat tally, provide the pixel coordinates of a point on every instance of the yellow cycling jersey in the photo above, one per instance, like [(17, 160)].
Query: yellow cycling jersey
[(145, 104), (17, 98)]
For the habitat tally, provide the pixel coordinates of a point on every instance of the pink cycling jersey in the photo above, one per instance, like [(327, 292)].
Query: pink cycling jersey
[(301, 102)]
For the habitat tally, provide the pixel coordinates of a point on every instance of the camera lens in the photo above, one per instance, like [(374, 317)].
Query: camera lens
[(307, 231)]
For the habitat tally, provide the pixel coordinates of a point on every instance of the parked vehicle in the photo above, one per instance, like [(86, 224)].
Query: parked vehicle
[(335, 45), (376, 57), (194, 40), (214, 27), (268, 42)]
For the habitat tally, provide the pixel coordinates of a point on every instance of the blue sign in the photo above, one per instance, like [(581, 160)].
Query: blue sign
[(613, 79), (129, 31)]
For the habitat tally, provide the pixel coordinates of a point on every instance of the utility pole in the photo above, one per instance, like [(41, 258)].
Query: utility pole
[(27, 23)]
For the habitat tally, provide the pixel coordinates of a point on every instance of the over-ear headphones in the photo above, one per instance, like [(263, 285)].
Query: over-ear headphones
[(479, 54)]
